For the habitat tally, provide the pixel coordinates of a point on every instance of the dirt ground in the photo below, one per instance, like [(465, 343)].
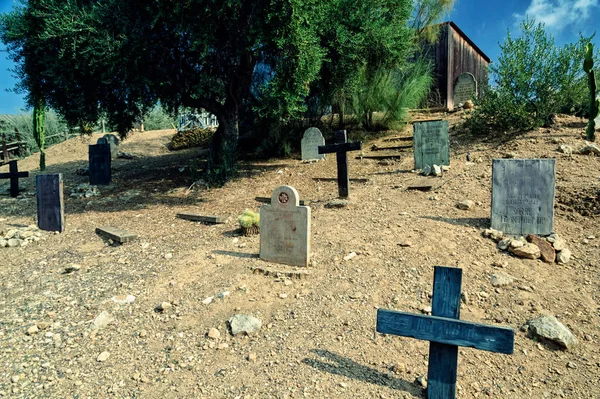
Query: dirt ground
[(318, 340)]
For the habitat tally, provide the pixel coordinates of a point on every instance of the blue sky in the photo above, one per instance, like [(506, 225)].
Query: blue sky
[(484, 21)]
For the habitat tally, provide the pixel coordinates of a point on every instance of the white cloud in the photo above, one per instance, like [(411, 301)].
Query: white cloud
[(558, 14)]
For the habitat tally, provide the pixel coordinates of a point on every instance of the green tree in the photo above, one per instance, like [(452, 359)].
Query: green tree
[(426, 17)]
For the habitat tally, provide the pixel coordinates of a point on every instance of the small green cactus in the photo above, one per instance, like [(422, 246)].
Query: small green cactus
[(588, 68), (249, 222)]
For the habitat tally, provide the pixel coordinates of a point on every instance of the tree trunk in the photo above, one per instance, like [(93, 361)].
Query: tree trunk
[(223, 148)]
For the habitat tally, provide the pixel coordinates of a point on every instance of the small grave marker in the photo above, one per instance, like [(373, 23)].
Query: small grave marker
[(200, 218), (523, 196), (116, 234), (431, 143), (465, 88), (341, 148), (310, 144), (113, 141), (100, 161), (50, 202), (14, 175), (267, 200), (445, 332), (285, 229)]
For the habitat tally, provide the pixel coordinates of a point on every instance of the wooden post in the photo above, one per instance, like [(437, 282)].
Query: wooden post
[(50, 202), (341, 147), (14, 176)]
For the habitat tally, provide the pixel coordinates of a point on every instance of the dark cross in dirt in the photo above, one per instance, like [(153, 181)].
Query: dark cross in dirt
[(14, 176), (445, 332), (341, 148)]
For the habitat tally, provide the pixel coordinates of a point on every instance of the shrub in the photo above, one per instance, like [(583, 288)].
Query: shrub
[(158, 119), (191, 138)]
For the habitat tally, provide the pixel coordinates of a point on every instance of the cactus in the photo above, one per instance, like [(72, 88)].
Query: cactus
[(588, 67), (39, 117), (249, 222)]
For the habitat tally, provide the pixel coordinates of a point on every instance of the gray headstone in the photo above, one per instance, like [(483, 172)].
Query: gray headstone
[(50, 202), (114, 144), (523, 196), (285, 229), (310, 143), (431, 143), (465, 88)]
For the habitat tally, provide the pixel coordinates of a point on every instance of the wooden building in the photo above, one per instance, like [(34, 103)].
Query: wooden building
[(455, 54)]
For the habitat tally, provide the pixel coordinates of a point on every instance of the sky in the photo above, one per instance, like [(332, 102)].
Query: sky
[(484, 21)]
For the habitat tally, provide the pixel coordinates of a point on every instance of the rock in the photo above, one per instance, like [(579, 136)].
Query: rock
[(547, 253), (208, 300), (559, 244), (504, 244), (103, 356), (515, 244), (465, 205), (251, 357), (213, 333), (549, 328), (14, 379), (350, 256), (502, 279), (3, 243), (14, 242), (565, 149), (437, 171), (33, 330), (337, 203), (421, 381), (571, 365), (425, 309), (500, 263), (590, 149), (563, 256), (222, 295), (405, 244), (164, 306), (102, 320), (493, 234), (426, 170), (72, 268), (469, 104), (527, 251), (123, 299), (244, 324), (282, 296)]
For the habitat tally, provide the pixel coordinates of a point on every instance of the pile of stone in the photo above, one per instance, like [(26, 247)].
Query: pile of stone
[(85, 190), (19, 237), (550, 249), (434, 170)]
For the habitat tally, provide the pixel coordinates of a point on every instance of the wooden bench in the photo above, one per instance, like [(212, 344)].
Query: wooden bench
[(9, 150)]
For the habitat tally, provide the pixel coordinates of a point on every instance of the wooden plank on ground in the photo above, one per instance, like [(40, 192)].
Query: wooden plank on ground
[(116, 234), (380, 157), (357, 180), (200, 218), (397, 147), (422, 185), (267, 200), (269, 271), (398, 139)]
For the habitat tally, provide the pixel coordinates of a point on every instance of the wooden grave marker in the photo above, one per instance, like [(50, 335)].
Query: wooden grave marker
[(431, 143), (14, 176), (341, 148), (115, 234), (445, 332), (100, 162), (50, 202), (200, 218)]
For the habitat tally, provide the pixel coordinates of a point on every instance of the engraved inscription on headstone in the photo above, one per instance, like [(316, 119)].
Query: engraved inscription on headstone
[(523, 196), (465, 88), (285, 229), (431, 143), (310, 143)]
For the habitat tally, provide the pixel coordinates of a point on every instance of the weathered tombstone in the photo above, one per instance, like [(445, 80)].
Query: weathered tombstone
[(445, 332), (465, 88), (431, 143), (14, 175), (99, 156), (50, 202), (285, 229), (310, 144), (113, 141), (523, 196), (341, 148)]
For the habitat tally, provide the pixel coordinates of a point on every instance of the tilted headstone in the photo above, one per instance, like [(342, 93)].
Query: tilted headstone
[(341, 148), (523, 196), (431, 143), (50, 202), (465, 88), (113, 141), (285, 229), (99, 156), (310, 144)]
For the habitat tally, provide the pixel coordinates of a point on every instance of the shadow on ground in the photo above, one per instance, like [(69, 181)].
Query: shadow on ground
[(482, 223), (333, 363)]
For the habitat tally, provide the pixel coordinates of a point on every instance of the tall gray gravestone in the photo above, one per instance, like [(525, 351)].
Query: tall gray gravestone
[(113, 141), (431, 143), (285, 229), (50, 202), (310, 144), (523, 196), (465, 88)]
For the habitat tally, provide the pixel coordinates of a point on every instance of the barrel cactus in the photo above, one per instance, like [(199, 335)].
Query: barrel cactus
[(594, 104), (249, 222)]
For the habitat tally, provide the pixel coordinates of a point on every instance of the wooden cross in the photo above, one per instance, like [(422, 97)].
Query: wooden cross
[(445, 332), (14, 176), (341, 148)]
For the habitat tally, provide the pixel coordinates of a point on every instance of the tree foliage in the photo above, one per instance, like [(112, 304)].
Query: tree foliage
[(426, 17)]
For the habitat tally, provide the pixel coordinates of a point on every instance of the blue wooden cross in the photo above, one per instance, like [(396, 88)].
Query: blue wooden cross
[(445, 332)]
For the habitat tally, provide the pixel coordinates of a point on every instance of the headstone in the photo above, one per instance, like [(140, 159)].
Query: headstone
[(202, 218), (14, 175), (431, 143), (310, 144), (445, 332), (100, 157), (465, 88), (285, 229), (50, 202), (341, 148), (113, 141), (523, 196)]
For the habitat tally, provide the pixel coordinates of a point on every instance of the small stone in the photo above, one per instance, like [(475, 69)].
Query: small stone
[(500, 263), (465, 205), (548, 327), (42, 325), (103, 356), (425, 309), (251, 357), (559, 244), (515, 244), (527, 251), (14, 379), (483, 295), (565, 149), (208, 300), (563, 256), (337, 203), (168, 256), (426, 170), (164, 306), (123, 299), (464, 297), (244, 324), (14, 242), (437, 171), (571, 365), (502, 279), (350, 256), (405, 244), (421, 381), (223, 345), (399, 368), (102, 320), (547, 253), (32, 330), (590, 149), (504, 244), (213, 333), (282, 296), (143, 333), (222, 295), (72, 268)]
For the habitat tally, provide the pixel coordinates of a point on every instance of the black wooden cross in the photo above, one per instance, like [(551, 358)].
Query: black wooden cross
[(341, 147), (445, 332), (14, 176)]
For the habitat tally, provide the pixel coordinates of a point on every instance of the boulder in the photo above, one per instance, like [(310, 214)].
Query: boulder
[(549, 328), (527, 251), (547, 253)]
